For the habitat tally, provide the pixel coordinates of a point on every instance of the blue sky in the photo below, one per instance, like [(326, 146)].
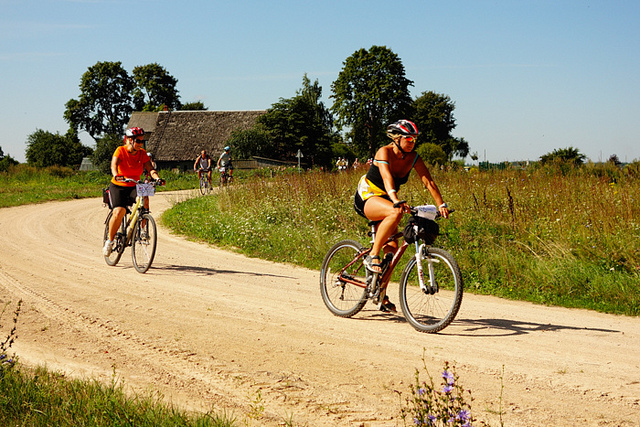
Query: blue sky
[(526, 77)]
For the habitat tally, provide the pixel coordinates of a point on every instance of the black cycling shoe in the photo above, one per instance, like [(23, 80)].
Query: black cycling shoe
[(387, 306)]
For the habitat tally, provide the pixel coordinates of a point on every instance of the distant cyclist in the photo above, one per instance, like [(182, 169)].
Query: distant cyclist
[(128, 161), (203, 164), (225, 161)]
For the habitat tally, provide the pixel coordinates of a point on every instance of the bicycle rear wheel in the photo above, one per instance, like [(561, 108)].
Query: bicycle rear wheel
[(433, 309), (144, 240), (340, 268), (118, 242)]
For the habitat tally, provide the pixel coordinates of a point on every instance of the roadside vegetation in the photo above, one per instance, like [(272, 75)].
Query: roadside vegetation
[(551, 234), (23, 184)]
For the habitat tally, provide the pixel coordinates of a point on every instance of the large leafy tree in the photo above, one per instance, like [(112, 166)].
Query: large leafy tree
[(48, 149), (251, 142), (370, 92), (433, 114), (301, 123), (108, 96), (105, 102), (155, 88)]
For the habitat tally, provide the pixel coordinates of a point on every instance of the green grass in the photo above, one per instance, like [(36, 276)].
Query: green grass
[(26, 185), (38, 397), (550, 236)]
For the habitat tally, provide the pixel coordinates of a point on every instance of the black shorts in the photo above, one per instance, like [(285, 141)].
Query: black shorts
[(122, 197), (358, 204)]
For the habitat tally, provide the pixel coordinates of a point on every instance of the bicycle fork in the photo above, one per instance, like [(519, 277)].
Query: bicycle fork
[(432, 287)]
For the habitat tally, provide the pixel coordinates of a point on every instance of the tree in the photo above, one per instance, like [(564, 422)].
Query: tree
[(251, 142), (155, 88), (105, 147), (197, 105), (569, 155), (432, 154), (613, 159), (433, 114), (301, 123), (105, 102), (6, 161), (48, 149), (370, 92)]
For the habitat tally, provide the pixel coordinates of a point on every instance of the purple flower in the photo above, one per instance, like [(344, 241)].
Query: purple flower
[(449, 377), (421, 391), (463, 415), (447, 389)]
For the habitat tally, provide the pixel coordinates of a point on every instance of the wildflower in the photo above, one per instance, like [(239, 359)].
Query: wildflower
[(448, 376), (447, 389), (463, 415), (421, 391)]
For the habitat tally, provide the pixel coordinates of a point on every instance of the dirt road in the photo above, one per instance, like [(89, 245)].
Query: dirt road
[(209, 328)]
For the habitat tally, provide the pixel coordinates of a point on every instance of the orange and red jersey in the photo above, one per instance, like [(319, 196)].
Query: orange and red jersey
[(130, 165)]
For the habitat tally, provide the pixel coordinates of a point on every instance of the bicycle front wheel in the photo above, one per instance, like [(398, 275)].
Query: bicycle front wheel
[(144, 240), (434, 308), (203, 185), (342, 279), (118, 242)]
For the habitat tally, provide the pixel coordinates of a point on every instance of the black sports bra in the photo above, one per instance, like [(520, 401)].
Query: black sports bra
[(374, 177)]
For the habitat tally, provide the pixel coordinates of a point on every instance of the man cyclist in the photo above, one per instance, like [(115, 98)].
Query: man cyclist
[(225, 162), (203, 164), (128, 161)]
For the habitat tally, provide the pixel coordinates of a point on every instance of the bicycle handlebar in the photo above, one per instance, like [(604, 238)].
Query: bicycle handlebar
[(122, 178), (429, 210)]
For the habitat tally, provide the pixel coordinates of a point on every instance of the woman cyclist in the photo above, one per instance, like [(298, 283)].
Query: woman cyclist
[(128, 161), (376, 197)]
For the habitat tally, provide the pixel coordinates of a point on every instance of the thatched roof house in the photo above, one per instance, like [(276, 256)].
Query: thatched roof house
[(175, 138)]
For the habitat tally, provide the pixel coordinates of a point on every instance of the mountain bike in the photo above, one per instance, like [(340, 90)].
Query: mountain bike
[(430, 287), (138, 230), (205, 185), (225, 177)]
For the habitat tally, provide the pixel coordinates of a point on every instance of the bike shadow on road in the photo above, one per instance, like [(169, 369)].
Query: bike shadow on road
[(509, 327), (483, 327), (207, 271)]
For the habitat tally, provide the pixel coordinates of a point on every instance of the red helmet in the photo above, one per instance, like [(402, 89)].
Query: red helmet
[(133, 132), (403, 128)]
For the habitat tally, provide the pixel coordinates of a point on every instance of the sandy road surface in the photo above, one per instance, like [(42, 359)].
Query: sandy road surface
[(210, 328)]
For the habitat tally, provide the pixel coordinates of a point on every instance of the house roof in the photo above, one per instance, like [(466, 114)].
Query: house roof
[(181, 135), (144, 120)]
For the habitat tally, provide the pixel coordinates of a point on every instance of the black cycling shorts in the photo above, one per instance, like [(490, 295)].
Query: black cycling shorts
[(121, 197), (358, 204)]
